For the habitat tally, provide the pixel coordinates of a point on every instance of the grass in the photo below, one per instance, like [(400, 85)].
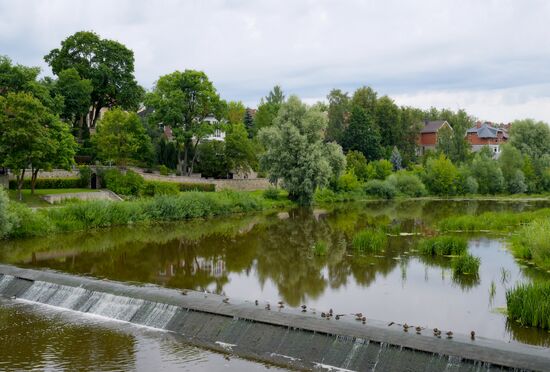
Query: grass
[(529, 304), (491, 221), (370, 241), (443, 246), (465, 264), (533, 243), (102, 213), (320, 248), (36, 199)]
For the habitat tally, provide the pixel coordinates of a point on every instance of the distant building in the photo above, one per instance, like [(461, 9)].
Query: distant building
[(218, 134), (429, 134), (484, 134)]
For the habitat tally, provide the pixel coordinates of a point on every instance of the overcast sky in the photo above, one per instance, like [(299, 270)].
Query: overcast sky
[(490, 57)]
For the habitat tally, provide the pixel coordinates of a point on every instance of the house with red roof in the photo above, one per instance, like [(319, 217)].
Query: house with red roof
[(429, 135), (484, 134)]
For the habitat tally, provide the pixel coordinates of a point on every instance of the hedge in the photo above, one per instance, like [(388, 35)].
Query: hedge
[(49, 183), (209, 187)]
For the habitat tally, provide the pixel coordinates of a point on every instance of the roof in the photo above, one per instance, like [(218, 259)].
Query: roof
[(433, 126), (487, 131)]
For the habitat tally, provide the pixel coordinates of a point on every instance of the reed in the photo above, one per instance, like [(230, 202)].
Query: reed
[(533, 243), (370, 241), (492, 221), (529, 304), (320, 248), (465, 264), (443, 246)]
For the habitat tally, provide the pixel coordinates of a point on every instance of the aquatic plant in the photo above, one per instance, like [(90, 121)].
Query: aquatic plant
[(465, 264), (533, 243), (370, 241), (320, 248), (443, 246), (529, 304), (493, 221)]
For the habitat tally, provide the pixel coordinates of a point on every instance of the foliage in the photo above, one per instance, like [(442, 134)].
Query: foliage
[(357, 163), (338, 108), (5, 214), (295, 151), (395, 159), (532, 242), (85, 176), (470, 185), (128, 183), (212, 160), (76, 93), (510, 161), (362, 134), (164, 170), (320, 248), (517, 184), (388, 120), (494, 221), (441, 176), (50, 183), (379, 169), (529, 304), (370, 241), (407, 183), (443, 246), (269, 109), (121, 137), (156, 188), (235, 112), (465, 264), (487, 173), (107, 64), (182, 100), (204, 187), (239, 149), (381, 189), (531, 138), (271, 193), (348, 182)]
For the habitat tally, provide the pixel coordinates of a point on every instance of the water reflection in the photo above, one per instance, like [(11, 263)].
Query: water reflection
[(269, 257)]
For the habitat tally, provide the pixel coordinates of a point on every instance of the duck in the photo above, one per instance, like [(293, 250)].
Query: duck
[(436, 331), (268, 307), (256, 302), (337, 317), (323, 314), (184, 292), (358, 315), (330, 312), (390, 324), (406, 327), (225, 300), (304, 307), (473, 335), (418, 329), (449, 334)]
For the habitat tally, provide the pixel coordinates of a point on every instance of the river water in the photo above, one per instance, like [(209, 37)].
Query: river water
[(268, 257)]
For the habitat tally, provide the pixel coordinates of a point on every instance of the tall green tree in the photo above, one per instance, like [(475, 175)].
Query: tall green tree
[(338, 110), (296, 153), (249, 122), (269, 108), (362, 134), (77, 96), (388, 119), (183, 100), (121, 137), (487, 173), (365, 98), (531, 137), (235, 112), (239, 149), (108, 64), (411, 121)]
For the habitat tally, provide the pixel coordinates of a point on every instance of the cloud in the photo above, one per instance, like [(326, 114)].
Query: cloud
[(445, 50)]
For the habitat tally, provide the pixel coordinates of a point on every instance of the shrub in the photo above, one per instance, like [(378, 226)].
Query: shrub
[(369, 241), (205, 187), (443, 246), (488, 174), (407, 183), (128, 183), (533, 243), (49, 183), (516, 184), (381, 189), (320, 248), (164, 170), (5, 215), (470, 185), (357, 163), (348, 182), (85, 176), (465, 264), (154, 188), (441, 176), (271, 193), (379, 169), (529, 304)]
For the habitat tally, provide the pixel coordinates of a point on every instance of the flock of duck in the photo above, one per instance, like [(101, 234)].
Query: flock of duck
[(359, 317)]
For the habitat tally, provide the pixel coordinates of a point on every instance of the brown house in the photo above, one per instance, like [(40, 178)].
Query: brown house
[(428, 135), (484, 134)]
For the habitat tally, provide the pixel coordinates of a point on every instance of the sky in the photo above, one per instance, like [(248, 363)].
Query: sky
[(490, 57)]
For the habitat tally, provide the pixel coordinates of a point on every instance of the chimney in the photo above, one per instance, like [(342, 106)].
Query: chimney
[(478, 124)]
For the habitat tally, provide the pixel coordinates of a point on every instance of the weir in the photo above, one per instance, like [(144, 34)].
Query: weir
[(285, 337)]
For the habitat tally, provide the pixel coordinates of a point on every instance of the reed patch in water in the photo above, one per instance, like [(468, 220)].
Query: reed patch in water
[(370, 241), (529, 304), (443, 246)]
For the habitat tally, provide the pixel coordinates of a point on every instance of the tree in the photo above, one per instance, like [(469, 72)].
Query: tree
[(296, 153), (249, 122), (338, 109), (120, 137), (510, 161), (530, 137), (487, 173), (362, 134), (32, 137), (76, 93), (445, 142), (411, 122), (108, 64), (239, 149), (395, 159), (441, 176), (365, 97), (388, 119), (182, 100), (357, 163), (235, 112), (269, 108), (213, 160)]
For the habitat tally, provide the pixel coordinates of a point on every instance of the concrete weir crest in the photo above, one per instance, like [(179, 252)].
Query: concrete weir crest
[(284, 337)]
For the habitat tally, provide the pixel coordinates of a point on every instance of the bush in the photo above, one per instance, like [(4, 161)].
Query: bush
[(470, 185), (407, 183), (85, 176), (465, 264), (381, 189), (128, 183), (271, 193), (516, 184), (5, 215), (154, 188), (348, 182), (529, 304), (443, 246), (379, 169), (488, 174), (369, 241), (533, 243), (164, 170), (49, 183), (357, 163), (320, 248), (205, 187), (441, 176)]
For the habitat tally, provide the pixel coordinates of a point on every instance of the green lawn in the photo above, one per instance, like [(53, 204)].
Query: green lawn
[(36, 200)]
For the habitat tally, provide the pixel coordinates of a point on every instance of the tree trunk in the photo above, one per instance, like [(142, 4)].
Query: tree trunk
[(194, 158), (185, 158), (96, 115), (34, 176), (20, 179)]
